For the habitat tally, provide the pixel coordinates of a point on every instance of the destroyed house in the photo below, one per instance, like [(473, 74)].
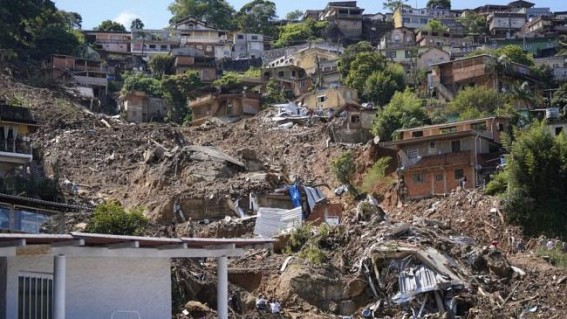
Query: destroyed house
[(434, 159), (230, 106), (139, 107), (109, 41), (16, 126), (448, 78), (289, 78), (68, 70)]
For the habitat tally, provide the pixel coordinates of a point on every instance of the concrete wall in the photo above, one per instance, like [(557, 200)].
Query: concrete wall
[(96, 287)]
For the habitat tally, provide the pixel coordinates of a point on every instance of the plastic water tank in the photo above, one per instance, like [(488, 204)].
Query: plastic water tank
[(552, 113)]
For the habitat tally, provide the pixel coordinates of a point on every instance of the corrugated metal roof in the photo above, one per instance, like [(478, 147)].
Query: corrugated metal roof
[(415, 280)]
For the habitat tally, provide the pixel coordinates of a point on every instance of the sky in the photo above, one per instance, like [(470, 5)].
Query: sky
[(155, 15)]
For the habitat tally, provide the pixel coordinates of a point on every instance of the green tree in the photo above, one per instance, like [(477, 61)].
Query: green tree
[(136, 24), (560, 97), (363, 65), (344, 169), (161, 64), (392, 5), (229, 79), (474, 102), (143, 83), (217, 12), (176, 90), (350, 54), (294, 15), (34, 29), (435, 25), (405, 110), (112, 218), (300, 32), (473, 22), (109, 25), (273, 93), (257, 17), (380, 86), (536, 173), (507, 53), (445, 4)]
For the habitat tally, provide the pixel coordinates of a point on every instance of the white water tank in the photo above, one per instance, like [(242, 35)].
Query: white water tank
[(552, 113)]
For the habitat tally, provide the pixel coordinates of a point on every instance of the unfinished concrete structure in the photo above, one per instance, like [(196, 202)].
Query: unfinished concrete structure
[(139, 107), (228, 105)]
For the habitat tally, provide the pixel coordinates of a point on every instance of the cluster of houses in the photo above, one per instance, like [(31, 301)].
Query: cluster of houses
[(309, 75)]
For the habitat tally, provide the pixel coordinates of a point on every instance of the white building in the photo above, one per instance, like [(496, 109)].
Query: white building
[(94, 276)]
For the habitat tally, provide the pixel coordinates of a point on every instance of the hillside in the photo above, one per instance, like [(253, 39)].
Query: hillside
[(161, 166)]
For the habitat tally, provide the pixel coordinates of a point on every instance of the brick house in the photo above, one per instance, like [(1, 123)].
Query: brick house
[(434, 159), (228, 105), (346, 16)]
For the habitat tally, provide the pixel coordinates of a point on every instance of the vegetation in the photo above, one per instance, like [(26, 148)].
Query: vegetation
[(216, 12), (560, 97), (535, 175), (138, 81), (349, 55), (300, 32), (376, 174), (294, 15), (257, 17), (273, 93), (32, 30), (405, 110), (473, 22), (112, 218), (235, 78), (511, 52), (344, 169), (176, 90), (556, 256), (109, 25), (446, 4), (475, 102), (435, 25), (392, 5), (136, 24), (161, 64)]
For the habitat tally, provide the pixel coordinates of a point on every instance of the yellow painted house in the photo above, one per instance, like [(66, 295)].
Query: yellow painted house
[(16, 125)]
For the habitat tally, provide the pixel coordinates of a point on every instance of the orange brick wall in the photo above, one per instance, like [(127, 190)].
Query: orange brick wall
[(318, 214), (431, 186)]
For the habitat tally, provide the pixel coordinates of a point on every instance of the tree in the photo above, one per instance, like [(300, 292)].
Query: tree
[(560, 97), (364, 64), (507, 53), (109, 25), (405, 110), (136, 24), (257, 17), (112, 218), (392, 5), (536, 175), (161, 64), (300, 32), (349, 55), (143, 83), (435, 25), (475, 102), (473, 22), (445, 4), (217, 12), (380, 86), (344, 169), (34, 29), (176, 90), (294, 15)]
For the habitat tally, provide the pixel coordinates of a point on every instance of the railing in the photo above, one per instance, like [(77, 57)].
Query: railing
[(19, 146)]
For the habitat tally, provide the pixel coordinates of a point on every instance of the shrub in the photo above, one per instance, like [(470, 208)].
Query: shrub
[(377, 173), (344, 168), (112, 218)]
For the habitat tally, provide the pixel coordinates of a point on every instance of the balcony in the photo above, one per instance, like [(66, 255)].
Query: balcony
[(16, 152)]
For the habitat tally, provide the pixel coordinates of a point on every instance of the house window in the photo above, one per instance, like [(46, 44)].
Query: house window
[(417, 134), (455, 146), (406, 20), (152, 46), (459, 174), (439, 177), (408, 54), (391, 54), (413, 153), (240, 37), (423, 21), (281, 74), (35, 296), (418, 177), (254, 37), (479, 126), (355, 118), (432, 145), (322, 98), (163, 47), (293, 73), (446, 130), (500, 127)]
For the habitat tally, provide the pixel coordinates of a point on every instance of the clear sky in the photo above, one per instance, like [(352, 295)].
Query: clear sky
[(155, 15)]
